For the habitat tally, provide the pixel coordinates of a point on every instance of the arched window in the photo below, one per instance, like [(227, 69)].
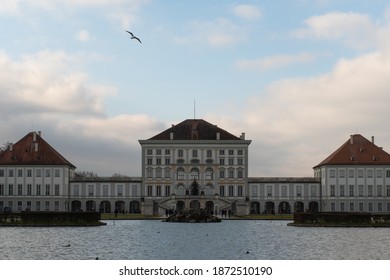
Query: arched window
[(209, 174), (195, 173), (180, 190), (180, 174)]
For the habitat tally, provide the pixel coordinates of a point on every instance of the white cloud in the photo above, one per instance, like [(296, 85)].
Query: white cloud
[(9, 7), (46, 82), (296, 123), (276, 61), (250, 12), (355, 30)]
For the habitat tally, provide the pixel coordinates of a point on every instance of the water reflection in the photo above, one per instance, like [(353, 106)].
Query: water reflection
[(226, 240)]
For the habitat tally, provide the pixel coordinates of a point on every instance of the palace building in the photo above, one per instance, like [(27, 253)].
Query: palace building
[(194, 164)]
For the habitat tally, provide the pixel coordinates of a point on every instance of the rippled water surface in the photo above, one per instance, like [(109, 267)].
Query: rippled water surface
[(169, 241)]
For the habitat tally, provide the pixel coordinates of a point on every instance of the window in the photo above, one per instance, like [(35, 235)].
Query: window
[(222, 190), (313, 191), (195, 153), (387, 173), (342, 191), (149, 172), (38, 206), (360, 173), (10, 189), (240, 161), (240, 173), (1, 189), (47, 190), (120, 190), (209, 153), (379, 191), (369, 173), (379, 173), (56, 189), (56, 205), (239, 191), (167, 190), (231, 173), (333, 207), (158, 161), (134, 190), (351, 173), (158, 190), (231, 152), (20, 189), (47, 205), (180, 174), (379, 206), (29, 173), (150, 191), (269, 191), (167, 152), (351, 190), (387, 190), (20, 206), (38, 173), (56, 173), (149, 161), (332, 173), (332, 190), (76, 190), (105, 190), (209, 174), (20, 172), (351, 206), (231, 190), (11, 173), (240, 152), (47, 172), (231, 161), (158, 152), (370, 207), (29, 189), (221, 173), (180, 153), (342, 173), (299, 191), (149, 152), (361, 190), (221, 161), (369, 190), (1, 172), (361, 206), (167, 161), (90, 190), (284, 191), (38, 189), (167, 173), (221, 152), (342, 207), (158, 172)]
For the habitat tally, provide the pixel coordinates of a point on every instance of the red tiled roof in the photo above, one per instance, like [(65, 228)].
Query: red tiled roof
[(194, 129), (357, 151), (32, 149)]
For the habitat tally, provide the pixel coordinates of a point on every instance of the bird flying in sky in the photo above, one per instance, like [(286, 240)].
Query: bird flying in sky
[(133, 37)]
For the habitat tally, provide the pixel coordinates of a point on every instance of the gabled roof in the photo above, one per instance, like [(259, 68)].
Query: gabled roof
[(194, 129), (32, 149), (357, 151)]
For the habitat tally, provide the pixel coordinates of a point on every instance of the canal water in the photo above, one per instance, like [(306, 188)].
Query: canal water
[(230, 240)]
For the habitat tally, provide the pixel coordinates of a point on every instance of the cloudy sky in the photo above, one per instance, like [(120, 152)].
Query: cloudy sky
[(298, 77)]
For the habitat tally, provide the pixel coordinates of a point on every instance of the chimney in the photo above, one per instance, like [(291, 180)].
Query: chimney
[(34, 136), (39, 133), (373, 139), (11, 147), (171, 136), (218, 136), (351, 139), (242, 137), (36, 147)]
